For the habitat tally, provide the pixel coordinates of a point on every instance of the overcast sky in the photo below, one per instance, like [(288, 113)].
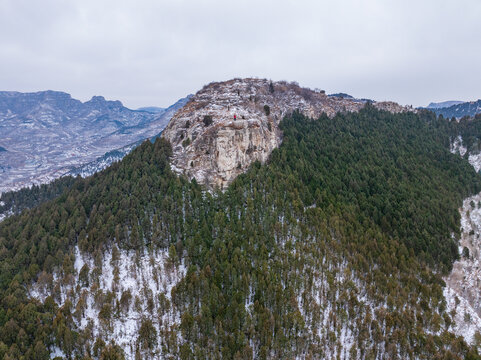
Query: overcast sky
[(153, 52)]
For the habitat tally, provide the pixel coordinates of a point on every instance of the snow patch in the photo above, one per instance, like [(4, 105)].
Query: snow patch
[(457, 146), (475, 160), (103, 305), (463, 285)]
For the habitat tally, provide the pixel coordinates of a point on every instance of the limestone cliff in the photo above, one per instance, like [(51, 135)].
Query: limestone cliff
[(228, 125)]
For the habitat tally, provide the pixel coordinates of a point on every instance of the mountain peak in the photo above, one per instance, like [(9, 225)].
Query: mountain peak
[(97, 98), (227, 126), (100, 100)]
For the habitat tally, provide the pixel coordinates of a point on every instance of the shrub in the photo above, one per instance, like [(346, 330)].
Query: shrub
[(147, 334), (207, 120), (267, 110)]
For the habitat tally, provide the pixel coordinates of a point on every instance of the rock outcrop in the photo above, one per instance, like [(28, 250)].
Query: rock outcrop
[(227, 126)]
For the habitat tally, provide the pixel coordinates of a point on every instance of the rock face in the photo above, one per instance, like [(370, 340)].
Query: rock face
[(227, 126)]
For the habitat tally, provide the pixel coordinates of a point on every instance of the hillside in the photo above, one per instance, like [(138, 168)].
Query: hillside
[(48, 133), (334, 248), (443, 104), (458, 111)]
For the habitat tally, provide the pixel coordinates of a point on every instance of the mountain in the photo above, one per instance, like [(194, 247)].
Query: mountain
[(227, 126), (110, 157), (293, 260), (344, 243), (48, 133), (104, 161), (458, 111), (444, 104)]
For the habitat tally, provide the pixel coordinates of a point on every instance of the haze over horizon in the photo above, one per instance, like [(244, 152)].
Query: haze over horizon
[(151, 53)]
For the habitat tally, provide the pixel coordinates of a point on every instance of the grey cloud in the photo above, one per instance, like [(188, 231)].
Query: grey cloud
[(152, 52)]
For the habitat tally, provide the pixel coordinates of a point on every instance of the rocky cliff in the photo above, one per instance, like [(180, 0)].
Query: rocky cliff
[(228, 125)]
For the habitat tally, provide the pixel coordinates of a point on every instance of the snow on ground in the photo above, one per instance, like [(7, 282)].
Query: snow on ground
[(463, 285), (475, 160), (457, 146), (148, 277), (57, 352)]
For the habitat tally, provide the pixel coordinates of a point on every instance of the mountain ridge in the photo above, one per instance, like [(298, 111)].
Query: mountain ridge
[(443, 104), (469, 108)]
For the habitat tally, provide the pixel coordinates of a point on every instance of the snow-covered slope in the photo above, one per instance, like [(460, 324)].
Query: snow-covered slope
[(104, 161), (115, 295), (463, 285)]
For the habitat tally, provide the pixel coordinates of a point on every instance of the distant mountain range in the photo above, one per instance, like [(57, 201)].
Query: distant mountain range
[(49, 133), (458, 109), (443, 104)]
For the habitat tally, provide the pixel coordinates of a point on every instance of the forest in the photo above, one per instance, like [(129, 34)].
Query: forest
[(14, 202), (347, 229)]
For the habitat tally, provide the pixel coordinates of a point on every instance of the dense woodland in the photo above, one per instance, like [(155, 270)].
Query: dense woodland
[(347, 229), (14, 202), (470, 130)]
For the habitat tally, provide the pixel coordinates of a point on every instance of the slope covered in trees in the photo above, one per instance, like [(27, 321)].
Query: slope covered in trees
[(335, 247), (469, 129), (14, 202), (470, 108)]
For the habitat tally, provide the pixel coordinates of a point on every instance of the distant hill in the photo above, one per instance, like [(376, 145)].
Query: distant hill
[(152, 109), (444, 104), (341, 95), (48, 133), (460, 110)]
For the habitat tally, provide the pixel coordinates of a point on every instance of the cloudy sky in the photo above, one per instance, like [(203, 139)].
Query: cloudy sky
[(152, 52)]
